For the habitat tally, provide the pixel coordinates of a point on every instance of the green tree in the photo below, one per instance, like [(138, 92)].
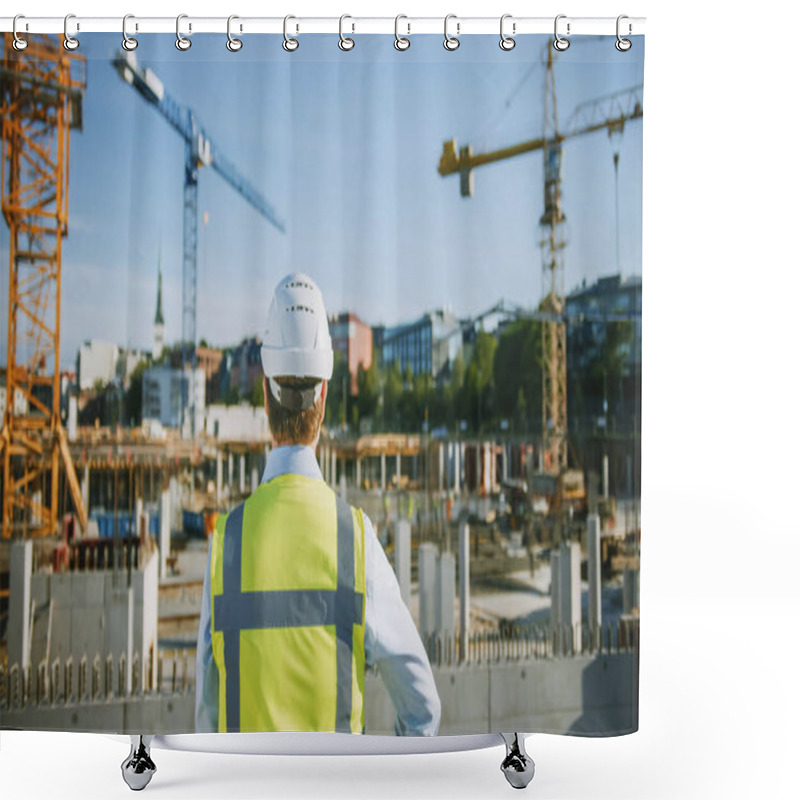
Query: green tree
[(518, 369), (133, 397)]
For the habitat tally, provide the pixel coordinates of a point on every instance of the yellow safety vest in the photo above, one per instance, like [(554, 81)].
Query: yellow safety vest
[(287, 610)]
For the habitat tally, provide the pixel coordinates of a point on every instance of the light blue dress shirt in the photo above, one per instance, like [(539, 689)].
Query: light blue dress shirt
[(391, 640)]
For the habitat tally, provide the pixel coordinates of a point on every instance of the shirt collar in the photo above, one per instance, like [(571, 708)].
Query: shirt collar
[(293, 459)]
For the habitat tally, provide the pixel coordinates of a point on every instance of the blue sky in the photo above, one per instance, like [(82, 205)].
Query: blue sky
[(345, 146)]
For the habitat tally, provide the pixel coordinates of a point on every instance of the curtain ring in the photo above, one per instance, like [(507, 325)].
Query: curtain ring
[(289, 44), (344, 42), (623, 45), (450, 42), (400, 42), (128, 42), (560, 42), (233, 44), (70, 42), (507, 42), (181, 42), (19, 42)]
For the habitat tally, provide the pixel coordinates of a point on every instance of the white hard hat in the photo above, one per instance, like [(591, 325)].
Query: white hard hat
[(297, 342)]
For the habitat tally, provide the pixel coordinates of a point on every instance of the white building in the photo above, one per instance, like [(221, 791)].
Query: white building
[(97, 361), (166, 392), (242, 423), (20, 404)]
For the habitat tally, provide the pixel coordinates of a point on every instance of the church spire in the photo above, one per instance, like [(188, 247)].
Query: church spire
[(159, 309)]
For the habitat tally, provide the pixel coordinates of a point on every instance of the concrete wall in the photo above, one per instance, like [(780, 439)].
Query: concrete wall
[(589, 696)]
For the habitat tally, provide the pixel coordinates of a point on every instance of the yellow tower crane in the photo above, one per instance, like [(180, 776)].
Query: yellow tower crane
[(41, 92), (606, 113)]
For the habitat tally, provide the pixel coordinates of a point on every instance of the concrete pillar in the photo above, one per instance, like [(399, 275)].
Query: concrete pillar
[(463, 588), (446, 597), (605, 477), (397, 468), (383, 472), (72, 418), (85, 487), (427, 591), (570, 590), (242, 468), (504, 462), (175, 504), (343, 486), (218, 481), (253, 479), (630, 590), (333, 467), (402, 558), (138, 514), (19, 603), (555, 593), (595, 595), (229, 482), (457, 469), (164, 532), (358, 474)]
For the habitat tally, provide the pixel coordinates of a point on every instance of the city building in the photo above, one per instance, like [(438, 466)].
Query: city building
[(239, 423), (352, 338), (166, 391), (97, 362), (604, 388), (20, 403), (427, 345)]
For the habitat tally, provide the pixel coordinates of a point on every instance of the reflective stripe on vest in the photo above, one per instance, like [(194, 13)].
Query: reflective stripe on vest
[(235, 611)]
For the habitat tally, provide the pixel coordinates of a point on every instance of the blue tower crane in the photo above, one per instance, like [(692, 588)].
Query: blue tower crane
[(200, 152)]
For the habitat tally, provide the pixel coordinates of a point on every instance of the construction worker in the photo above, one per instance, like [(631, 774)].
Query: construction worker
[(298, 596)]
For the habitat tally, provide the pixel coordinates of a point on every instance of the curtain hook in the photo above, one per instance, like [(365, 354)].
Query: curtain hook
[(233, 44), (400, 42), (622, 44), (289, 44), (344, 42), (181, 42), (450, 42), (70, 42), (19, 42), (560, 42), (507, 42), (128, 42)]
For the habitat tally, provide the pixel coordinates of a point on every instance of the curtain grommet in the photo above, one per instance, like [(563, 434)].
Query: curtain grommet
[(70, 42), (345, 43), (451, 43), (507, 42), (19, 43), (128, 42), (560, 43), (289, 44), (233, 44), (181, 42), (401, 43)]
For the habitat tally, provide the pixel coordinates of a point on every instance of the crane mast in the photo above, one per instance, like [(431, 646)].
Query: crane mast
[(606, 113), (200, 151), (41, 91)]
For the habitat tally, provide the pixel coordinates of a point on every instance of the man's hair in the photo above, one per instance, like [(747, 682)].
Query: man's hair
[(298, 427)]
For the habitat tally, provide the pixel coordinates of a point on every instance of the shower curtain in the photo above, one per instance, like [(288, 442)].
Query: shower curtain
[(471, 218)]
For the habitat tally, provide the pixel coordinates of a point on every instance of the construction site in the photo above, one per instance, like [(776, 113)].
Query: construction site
[(515, 539)]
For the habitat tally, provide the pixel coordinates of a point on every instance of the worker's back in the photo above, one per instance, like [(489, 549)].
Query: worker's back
[(288, 603)]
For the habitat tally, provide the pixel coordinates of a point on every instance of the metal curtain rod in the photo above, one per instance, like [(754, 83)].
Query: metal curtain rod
[(516, 26)]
